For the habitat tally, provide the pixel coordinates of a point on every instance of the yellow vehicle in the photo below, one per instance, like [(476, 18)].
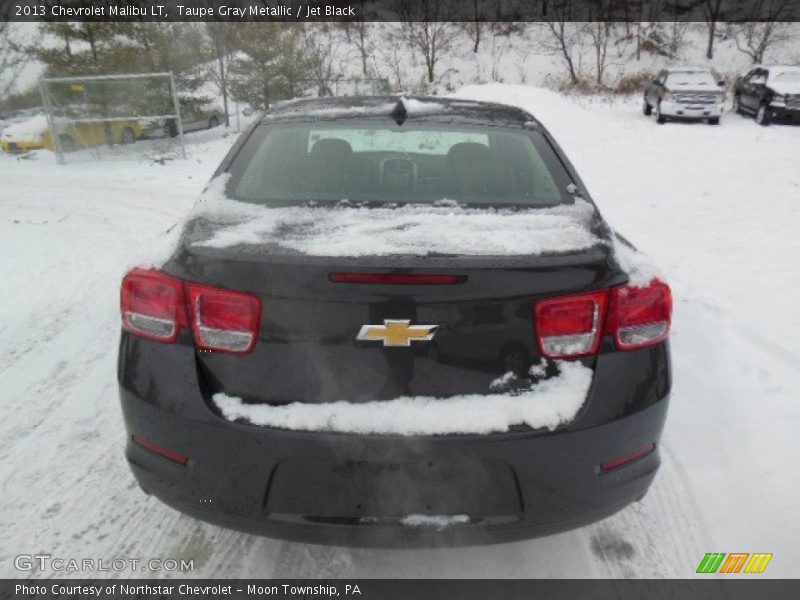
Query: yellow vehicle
[(34, 134)]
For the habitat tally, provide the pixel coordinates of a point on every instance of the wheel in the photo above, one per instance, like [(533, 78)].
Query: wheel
[(646, 109), (713, 121), (67, 143), (170, 128), (213, 122), (128, 136), (659, 117), (737, 104), (762, 116)]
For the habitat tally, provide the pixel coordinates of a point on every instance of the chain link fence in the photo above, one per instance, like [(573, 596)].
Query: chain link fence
[(104, 116)]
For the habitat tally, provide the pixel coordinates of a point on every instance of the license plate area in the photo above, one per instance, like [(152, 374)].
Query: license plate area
[(357, 491)]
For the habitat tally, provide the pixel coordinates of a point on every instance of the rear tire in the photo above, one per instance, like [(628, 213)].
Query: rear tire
[(171, 129), (646, 109), (762, 116), (660, 119), (67, 143), (128, 136), (713, 121), (213, 122)]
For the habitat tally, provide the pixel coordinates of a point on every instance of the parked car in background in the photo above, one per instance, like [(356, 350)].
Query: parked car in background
[(13, 117), (687, 93), (34, 134), (196, 115), (771, 93)]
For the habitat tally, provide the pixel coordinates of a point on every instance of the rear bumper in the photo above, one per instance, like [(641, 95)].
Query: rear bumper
[(691, 111), (354, 490)]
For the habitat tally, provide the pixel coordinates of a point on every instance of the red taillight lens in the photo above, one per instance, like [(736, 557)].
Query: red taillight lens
[(639, 316), (398, 278), (152, 305), (223, 320), (175, 457), (570, 326)]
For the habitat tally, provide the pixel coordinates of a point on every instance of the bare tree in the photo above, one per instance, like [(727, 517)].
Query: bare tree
[(754, 39), (474, 28), (326, 56), (565, 37), (427, 27), (765, 29), (390, 54), (363, 39), (223, 42), (713, 13), (599, 33)]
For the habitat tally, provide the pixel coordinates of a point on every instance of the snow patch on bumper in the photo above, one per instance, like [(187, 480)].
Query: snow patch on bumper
[(548, 404)]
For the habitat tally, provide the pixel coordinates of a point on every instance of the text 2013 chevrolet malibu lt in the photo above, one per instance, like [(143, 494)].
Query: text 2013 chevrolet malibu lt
[(396, 322)]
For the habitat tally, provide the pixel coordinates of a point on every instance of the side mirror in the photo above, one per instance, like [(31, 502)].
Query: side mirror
[(721, 83)]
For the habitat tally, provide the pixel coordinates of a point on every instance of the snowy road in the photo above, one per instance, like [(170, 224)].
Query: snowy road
[(717, 207)]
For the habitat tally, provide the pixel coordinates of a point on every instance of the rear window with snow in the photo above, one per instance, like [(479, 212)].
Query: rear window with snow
[(383, 163)]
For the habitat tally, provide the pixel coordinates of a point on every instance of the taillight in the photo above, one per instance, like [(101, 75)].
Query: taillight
[(152, 305), (223, 320), (639, 316), (570, 326)]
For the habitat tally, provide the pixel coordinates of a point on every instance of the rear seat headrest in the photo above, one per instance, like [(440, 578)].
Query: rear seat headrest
[(331, 148)]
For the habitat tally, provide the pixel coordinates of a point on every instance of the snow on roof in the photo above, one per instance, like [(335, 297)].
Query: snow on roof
[(27, 131), (547, 405)]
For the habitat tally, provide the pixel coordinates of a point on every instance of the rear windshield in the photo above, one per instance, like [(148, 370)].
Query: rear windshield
[(383, 163)]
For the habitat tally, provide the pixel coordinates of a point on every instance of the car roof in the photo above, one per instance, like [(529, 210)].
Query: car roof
[(426, 108)]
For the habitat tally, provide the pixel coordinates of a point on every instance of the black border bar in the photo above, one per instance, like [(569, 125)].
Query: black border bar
[(741, 587), (401, 10)]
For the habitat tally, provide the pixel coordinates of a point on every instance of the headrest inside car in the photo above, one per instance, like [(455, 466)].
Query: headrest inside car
[(331, 148)]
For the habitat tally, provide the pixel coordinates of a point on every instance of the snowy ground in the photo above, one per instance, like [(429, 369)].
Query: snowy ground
[(717, 207)]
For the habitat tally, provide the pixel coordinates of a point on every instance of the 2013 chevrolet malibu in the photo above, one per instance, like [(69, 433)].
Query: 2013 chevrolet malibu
[(396, 321)]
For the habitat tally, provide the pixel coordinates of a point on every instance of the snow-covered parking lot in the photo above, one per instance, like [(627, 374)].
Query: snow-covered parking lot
[(717, 207)]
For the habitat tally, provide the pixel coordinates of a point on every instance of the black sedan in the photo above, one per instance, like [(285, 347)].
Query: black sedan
[(396, 321), (770, 93)]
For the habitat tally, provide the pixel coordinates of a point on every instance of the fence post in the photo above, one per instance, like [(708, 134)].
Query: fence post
[(51, 124), (177, 105)]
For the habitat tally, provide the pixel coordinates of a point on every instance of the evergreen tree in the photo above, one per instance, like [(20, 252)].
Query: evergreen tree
[(272, 64)]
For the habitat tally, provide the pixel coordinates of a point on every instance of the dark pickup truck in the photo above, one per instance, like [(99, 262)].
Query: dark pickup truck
[(769, 93), (685, 93)]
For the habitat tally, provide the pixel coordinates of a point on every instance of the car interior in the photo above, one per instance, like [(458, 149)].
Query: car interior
[(498, 169)]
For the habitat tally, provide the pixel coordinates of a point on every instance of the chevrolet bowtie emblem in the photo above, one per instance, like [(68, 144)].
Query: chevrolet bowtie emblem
[(396, 333)]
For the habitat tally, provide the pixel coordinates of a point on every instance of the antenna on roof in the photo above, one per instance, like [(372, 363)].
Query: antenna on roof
[(399, 112)]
